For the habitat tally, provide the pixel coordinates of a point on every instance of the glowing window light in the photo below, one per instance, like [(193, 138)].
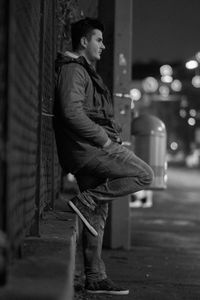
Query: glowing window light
[(135, 94), (191, 121), (191, 64), (164, 90), (176, 85), (196, 81), (166, 78), (150, 84), (174, 146), (193, 112), (166, 70)]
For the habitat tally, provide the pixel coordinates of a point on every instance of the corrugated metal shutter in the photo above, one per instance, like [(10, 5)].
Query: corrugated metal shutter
[(23, 114)]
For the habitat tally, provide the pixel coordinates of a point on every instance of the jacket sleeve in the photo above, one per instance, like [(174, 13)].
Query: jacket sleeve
[(71, 90)]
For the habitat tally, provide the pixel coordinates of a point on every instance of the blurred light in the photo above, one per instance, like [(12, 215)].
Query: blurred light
[(174, 146), (150, 85), (166, 78), (166, 70), (184, 102), (193, 112), (197, 56), (135, 94), (176, 85), (132, 104), (182, 113), (196, 81), (198, 115), (164, 90), (165, 178), (191, 121), (191, 64)]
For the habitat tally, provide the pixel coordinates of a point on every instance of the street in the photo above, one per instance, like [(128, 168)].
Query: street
[(164, 260)]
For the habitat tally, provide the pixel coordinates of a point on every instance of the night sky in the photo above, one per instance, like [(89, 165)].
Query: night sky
[(165, 30)]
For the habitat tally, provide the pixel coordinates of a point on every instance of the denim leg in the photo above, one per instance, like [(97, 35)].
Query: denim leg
[(94, 266), (122, 173)]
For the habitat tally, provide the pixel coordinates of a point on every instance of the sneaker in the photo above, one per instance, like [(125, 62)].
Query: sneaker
[(83, 212), (105, 286)]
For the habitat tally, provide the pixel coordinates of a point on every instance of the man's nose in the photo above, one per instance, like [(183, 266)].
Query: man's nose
[(103, 46)]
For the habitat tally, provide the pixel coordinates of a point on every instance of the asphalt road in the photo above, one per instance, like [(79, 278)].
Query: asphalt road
[(164, 260)]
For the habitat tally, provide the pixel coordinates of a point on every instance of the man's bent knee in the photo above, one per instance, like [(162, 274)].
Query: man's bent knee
[(147, 177)]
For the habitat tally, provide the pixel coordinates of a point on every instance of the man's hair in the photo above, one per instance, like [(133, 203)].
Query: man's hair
[(82, 28)]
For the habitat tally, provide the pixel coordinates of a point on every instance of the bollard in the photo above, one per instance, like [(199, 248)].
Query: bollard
[(149, 135)]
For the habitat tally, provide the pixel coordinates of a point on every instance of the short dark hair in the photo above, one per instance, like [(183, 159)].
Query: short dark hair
[(82, 28)]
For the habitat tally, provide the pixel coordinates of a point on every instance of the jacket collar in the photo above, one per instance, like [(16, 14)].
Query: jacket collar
[(70, 57)]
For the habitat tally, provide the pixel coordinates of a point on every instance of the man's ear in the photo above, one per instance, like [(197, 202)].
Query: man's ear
[(84, 42)]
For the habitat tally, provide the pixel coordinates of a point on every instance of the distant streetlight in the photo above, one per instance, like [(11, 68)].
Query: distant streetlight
[(191, 121), (198, 56), (196, 81), (182, 113), (164, 91), (167, 78), (135, 94), (150, 84), (176, 85), (191, 64), (166, 70), (174, 146), (193, 112)]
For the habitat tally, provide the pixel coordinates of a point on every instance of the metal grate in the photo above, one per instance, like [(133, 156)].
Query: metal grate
[(22, 116), (47, 157), (3, 83)]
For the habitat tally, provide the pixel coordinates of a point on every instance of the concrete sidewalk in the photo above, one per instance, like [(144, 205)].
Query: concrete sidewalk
[(46, 269), (164, 260)]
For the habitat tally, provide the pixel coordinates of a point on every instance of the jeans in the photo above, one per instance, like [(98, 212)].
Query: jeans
[(116, 172)]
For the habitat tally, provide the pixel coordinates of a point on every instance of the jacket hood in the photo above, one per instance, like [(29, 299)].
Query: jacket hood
[(63, 58)]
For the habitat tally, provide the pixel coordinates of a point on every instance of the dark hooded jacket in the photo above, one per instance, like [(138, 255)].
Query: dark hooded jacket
[(83, 113)]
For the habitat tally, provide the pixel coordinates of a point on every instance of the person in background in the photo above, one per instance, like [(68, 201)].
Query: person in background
[(89, 147)]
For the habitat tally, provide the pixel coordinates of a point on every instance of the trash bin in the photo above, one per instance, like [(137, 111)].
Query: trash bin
[(149, 143)]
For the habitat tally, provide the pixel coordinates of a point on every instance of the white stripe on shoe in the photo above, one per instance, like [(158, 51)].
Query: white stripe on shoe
[(87, 224), (125, 292)]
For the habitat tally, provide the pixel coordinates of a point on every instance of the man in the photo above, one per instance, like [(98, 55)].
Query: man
[(89, 146)]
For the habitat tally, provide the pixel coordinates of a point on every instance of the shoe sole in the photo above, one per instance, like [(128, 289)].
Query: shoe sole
[(108, 292), (81, 216)]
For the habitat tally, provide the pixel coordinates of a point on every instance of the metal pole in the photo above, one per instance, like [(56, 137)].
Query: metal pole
[(35, 230), (53, 81), (120, 227), (115, 68)]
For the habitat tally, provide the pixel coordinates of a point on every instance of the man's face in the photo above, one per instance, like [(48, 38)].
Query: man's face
[(94, 46)]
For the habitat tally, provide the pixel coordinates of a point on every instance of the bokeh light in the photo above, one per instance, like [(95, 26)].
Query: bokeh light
[(166, 70), (135, 94), (176, 85)]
